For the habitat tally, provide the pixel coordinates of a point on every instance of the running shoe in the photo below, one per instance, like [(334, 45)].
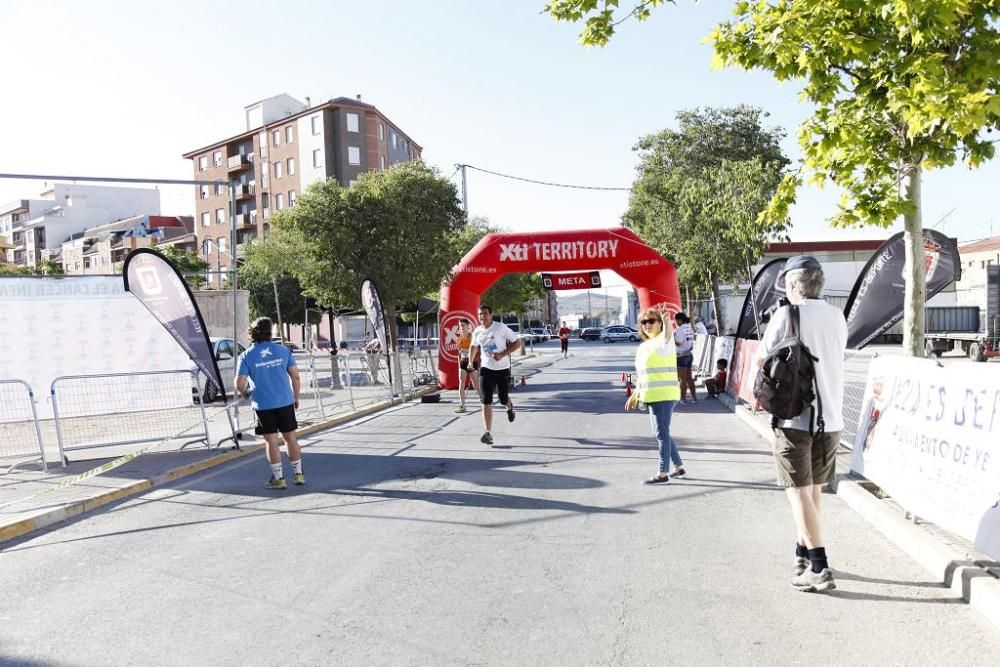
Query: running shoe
[(679, 471), (510, 414), (487, 439), (299, 479), (275, 483), (460, 410), (799, 566), (814, 582)]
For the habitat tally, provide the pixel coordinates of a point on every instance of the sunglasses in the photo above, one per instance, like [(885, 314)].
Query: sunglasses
[(649, 321)]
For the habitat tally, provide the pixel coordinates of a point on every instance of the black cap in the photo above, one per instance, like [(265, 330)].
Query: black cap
[(800, 262)]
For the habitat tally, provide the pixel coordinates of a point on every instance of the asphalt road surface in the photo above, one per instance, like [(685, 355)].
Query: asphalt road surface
[(414, 544)]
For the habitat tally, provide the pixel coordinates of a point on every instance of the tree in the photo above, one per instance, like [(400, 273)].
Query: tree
[(898, 86), (46, 267), (396, 227), (191, 266), (701, 189)]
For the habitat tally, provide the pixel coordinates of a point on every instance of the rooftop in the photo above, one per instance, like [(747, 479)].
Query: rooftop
[(984, 245)]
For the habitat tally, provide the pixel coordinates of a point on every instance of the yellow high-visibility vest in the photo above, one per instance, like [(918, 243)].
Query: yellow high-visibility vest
[(656, 367)]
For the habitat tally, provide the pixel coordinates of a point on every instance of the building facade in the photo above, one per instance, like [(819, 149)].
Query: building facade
[(287, 146), (36, 228), (975, 257), (102, 250)]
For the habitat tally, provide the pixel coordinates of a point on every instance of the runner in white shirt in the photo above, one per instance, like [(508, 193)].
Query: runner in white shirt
[(493, 342)]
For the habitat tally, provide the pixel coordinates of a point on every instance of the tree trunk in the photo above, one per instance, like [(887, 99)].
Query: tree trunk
[(716, 301), (687, 290), (915, 294), (335, 382), (277, 306)]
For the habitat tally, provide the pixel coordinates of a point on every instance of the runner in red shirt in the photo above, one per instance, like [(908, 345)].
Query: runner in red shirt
[(564, 339)]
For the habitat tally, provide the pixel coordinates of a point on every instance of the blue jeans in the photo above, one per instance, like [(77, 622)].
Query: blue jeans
[(659, 416)]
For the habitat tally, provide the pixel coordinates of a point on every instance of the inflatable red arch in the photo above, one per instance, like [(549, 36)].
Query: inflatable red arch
[(616, 249)]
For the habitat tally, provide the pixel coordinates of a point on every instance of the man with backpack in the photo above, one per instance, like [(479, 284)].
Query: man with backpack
[(801, 382)]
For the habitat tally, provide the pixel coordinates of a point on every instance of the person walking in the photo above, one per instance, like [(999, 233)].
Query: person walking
[(267, 373), (493, 342), (699, 326), (659, 388), (684, 338), (467, 370), (806, 457), (564, 340)]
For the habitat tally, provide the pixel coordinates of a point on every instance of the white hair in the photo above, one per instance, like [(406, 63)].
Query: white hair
[(807, 283)]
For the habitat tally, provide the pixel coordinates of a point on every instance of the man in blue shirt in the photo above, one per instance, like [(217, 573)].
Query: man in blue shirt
[(268, 370)]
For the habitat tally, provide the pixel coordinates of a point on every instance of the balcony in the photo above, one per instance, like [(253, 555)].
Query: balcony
[(245, 190), (238, 162), (244, 220)]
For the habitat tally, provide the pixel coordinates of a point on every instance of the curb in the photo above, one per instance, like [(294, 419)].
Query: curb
[(51, 517), (946, 564)]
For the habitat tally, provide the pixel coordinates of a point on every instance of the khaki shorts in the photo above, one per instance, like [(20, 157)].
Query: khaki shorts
[(804, 460)]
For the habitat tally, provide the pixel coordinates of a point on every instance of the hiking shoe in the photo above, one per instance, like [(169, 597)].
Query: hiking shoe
[(299, 479), (678, 472), (510, 414), (814, 582), (461, 409), (799, 566), (487, 439), (275, 483)]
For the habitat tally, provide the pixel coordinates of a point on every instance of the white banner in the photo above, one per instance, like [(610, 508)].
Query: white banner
[(930, 437), (83, 325)]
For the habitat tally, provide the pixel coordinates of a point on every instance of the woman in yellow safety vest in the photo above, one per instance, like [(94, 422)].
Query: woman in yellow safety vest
[(659, 388)]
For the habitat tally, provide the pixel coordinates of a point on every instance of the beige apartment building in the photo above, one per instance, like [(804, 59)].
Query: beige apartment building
[(287, 146), (102, 250)]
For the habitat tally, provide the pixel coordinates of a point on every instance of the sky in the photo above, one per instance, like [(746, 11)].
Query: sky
[(103, 88)]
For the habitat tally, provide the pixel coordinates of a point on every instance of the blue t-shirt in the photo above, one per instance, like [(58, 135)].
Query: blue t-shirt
[(267, 364)]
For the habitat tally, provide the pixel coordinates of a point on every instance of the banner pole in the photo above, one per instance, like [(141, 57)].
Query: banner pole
[(234, 280), (753, 302)]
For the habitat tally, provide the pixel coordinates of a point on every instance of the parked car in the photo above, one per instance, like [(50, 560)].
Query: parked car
[(591, 333), (537, 335), (222, 348), (617, 333)]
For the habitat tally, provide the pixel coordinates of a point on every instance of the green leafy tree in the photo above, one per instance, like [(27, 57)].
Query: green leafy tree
[(898, 87), (191, 266), (396, 227), (701, 189)]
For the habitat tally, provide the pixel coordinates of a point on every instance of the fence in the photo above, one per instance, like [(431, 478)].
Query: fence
[(20, 435), (126, 408)]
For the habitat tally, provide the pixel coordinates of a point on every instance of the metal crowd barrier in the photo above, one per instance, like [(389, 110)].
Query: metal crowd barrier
[(115, 409), (19, 425)]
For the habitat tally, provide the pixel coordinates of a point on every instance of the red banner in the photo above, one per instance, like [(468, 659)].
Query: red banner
[(742, 371), (582, 280)]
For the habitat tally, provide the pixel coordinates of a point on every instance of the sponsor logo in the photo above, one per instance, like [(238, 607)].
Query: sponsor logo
[(558, 250), (150, 280), (266, 352), (451, 328)]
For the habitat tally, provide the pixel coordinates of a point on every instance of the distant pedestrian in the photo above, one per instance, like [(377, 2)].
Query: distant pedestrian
[(806, 456), (564, 340), (467, 368), (659, 388), (493, 342), (684, 338), (699, 326), (716, 385), (268, 370)]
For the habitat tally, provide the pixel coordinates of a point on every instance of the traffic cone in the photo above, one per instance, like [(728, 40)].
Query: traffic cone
[(628, 390), (524, 380)]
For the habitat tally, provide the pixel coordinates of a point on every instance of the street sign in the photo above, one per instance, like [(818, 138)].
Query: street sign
[(583, 280)]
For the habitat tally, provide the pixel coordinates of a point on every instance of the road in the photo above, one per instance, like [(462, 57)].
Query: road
[(413, 544)]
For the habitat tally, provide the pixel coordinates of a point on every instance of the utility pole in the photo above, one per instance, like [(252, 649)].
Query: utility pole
[(465, 192)]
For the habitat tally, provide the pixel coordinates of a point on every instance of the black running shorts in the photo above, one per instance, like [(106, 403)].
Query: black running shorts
[(498, 381), (278, 420)]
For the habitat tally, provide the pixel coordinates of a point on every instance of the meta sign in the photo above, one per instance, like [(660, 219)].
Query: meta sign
[(584, 280)]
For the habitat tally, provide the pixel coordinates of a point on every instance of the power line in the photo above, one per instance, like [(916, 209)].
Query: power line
[(547, 183)]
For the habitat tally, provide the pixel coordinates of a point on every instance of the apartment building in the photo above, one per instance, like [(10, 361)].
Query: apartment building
[(102, 250), (287, 146), (36, 228), (975, 257)]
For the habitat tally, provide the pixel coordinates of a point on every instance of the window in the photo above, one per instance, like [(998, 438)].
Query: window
[(381, 132), (288, 134), (277, 169), (217, 158), (393, 140), (265, 201), (317, 124), (220, 189), (318, 157), (203, 163), (222, 243), (381, 162), (276, 137), (291, 198), (352, 122), (220, 216), (353, 155), (290, 166), (279, 200), (206, 219), (203, 191)]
